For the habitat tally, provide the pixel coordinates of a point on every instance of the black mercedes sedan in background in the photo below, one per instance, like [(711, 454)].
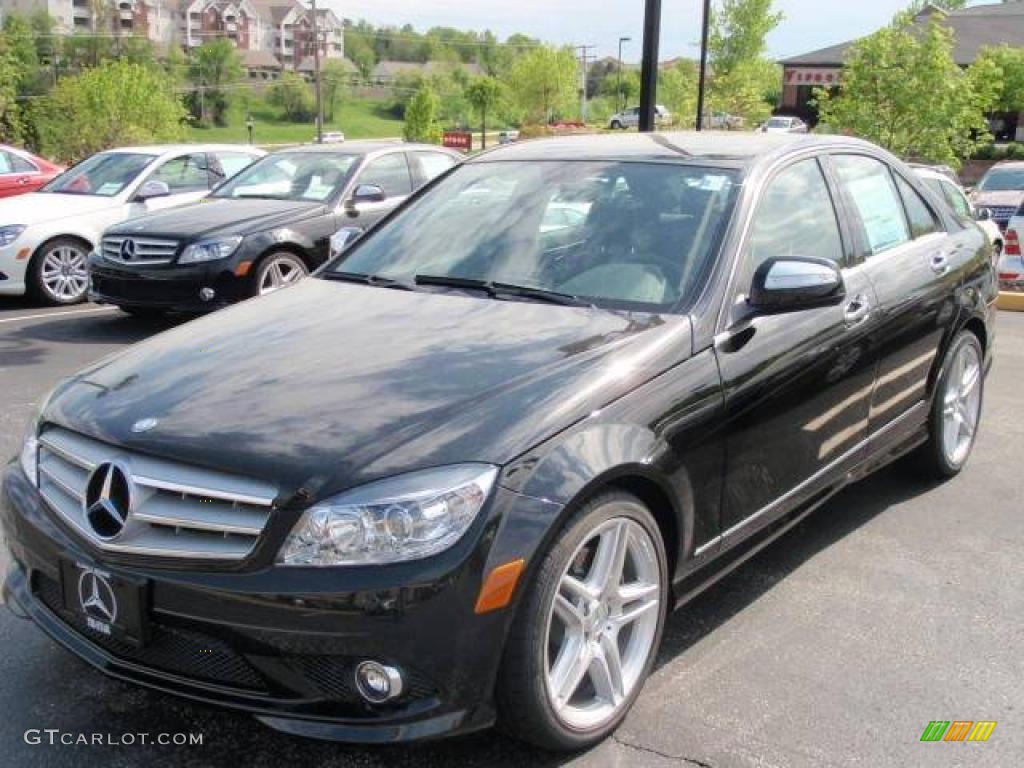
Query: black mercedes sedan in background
[(461, 474), (266, 228)]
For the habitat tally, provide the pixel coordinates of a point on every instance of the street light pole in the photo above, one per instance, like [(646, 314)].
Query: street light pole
[(649, 69), (316, 79), (705, 30), (618, 100)]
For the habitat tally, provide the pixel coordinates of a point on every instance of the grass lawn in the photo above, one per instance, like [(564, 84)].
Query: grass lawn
[(357, 118)]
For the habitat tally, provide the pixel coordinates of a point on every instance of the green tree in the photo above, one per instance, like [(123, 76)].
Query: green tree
[(744, 78), (214, 66), (1010, 62), (421, 117), (484, 94), (114, 104), (293, 95), (903, 90), (677, 90), (543, 82), (334, 81), (10, 112)]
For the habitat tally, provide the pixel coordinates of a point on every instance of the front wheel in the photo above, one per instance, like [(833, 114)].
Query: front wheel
[(589, 627), (616, 125), (956, 411), (277, 271), (60, 272)]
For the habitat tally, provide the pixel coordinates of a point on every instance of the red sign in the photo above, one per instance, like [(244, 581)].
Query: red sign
[(813, 76), (458, 140)]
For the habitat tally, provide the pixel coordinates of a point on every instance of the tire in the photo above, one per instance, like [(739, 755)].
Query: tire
[(540, 656), (956, 410), (144, 313), (275, 271), (616, 125), (59, 273)]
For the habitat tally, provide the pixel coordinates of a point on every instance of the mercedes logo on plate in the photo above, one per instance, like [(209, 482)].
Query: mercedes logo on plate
[(108, 500), (96, 596), (127, 249)]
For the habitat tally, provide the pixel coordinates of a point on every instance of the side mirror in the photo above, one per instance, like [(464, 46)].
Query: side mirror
[(792, 283), (368, 193), (152, 189), (983, 214), (343, 239)]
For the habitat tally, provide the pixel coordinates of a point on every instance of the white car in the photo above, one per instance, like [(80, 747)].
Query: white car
[(1011, 262), (782, 124), (46, 236), (332, 137), (942, 184), (630, 118)]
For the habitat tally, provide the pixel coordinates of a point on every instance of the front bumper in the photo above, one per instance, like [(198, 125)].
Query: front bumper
[(168, 287), (272, 642), (13, 269)]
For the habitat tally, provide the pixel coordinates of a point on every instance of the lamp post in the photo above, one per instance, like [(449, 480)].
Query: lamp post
[(316, 78), (249, 124), (649, 68), (705, 29), (618, 102)]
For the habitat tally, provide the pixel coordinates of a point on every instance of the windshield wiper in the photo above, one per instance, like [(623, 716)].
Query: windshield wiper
[(377, 281), (496, 289)]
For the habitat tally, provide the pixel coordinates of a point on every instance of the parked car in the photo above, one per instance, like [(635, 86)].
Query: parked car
[(508, 137), (46, 237), (943, 182), (1001, 191), (1010, 267), (22, 172), (463, 472), (267, 228), (782, 124), (630, 118), (723, 121), (332, 137)]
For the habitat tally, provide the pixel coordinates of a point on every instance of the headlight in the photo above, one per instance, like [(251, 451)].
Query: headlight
[(9, 234), (210, 250), (408, 517)]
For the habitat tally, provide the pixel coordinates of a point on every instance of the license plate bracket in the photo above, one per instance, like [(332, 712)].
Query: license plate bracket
[(108, 604)]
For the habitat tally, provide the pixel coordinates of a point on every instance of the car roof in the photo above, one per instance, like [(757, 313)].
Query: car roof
[(719, 147), (365, 147), (1015, 164), (158, 150), (930, 173)]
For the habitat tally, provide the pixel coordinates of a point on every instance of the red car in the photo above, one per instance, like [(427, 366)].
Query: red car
[(21, 172)]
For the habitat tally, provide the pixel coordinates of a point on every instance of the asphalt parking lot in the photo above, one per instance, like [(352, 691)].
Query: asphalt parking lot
[(896, 604)]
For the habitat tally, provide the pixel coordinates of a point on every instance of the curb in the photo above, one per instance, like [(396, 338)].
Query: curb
[(1014, 302)]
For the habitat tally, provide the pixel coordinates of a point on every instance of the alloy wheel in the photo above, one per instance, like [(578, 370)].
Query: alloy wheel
[(961, 403), (64, 273), (602, 624), (279, 273)]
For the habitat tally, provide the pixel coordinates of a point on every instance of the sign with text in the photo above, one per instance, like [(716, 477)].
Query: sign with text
[(458, 140), (822, 76)]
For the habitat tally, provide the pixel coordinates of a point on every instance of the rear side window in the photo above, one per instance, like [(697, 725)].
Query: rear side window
[(795, 217), (184, 174), (922, 220), (390, 173), (20, 165), (873, 192), (224, 165), (957, 200), (433, 164)]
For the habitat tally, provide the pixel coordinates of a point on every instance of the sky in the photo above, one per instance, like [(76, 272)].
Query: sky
[(808, 24)]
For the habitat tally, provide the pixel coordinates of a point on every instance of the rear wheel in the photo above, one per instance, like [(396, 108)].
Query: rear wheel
[(616, 125), (956, 411), (277, 271), (60, 272), (589, 627)]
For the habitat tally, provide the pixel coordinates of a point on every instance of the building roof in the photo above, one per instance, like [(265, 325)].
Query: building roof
[(259, 60), (307, 64), (973, 28)]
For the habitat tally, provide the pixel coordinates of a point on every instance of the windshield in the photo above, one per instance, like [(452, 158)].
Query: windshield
[(611, 233), (103, 175), (298, 176), (779, 122), (1003, 180)]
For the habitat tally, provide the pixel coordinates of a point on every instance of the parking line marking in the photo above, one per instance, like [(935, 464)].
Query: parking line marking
[(56, 314)]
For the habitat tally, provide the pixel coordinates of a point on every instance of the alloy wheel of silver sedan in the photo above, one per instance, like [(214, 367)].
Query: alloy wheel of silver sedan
[(63, 275), (602, 624), (280, 271), (961, 404)]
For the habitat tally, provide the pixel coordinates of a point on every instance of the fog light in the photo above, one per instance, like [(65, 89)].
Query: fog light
[(207, 294), (378, 683)]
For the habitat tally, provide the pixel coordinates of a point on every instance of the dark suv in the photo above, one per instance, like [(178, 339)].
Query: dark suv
[(462, 473), (266, 228)]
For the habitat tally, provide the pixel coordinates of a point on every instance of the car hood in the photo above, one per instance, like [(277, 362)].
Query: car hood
[(327, 385), (39, 207), (1005, 199), (214, 216)]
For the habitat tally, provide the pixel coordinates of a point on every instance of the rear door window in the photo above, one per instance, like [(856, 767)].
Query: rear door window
[(390, 173), (432, 164), (877, 201), (922, 220), (187, 173)]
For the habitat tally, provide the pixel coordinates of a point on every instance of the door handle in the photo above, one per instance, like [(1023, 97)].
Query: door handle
[(857, 311), (940, 263)]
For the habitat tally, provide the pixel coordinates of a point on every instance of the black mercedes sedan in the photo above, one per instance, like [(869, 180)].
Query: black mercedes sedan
[(264, 229), (460, 475)]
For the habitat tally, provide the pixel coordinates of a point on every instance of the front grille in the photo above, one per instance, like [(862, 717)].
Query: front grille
[(1003, 213), (174, 510), (146, 291), (143, 251), (194, 655)]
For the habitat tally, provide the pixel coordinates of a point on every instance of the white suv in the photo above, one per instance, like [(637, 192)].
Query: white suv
[(630, 118), (46, 236)]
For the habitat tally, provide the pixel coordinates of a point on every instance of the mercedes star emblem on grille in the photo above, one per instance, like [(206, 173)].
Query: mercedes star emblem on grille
[(96, 597), (128, 249), (108, 500)]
